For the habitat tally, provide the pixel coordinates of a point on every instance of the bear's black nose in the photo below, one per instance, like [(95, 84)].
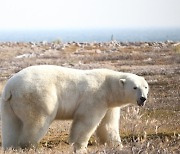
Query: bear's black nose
[(143, 99)]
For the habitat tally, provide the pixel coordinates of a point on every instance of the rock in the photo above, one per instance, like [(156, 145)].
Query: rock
[(98, 51), (26, 55), (147, 60)]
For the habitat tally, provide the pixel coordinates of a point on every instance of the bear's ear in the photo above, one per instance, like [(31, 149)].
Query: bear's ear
[(122, 81)]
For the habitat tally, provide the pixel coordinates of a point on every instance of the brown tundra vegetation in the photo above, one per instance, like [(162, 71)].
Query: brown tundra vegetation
[(154, 128)]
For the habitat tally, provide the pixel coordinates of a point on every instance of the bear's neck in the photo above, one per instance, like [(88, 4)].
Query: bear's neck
[(116, 95)]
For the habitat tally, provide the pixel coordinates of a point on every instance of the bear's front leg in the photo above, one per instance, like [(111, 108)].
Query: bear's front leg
[(84, 124), (108, 130)]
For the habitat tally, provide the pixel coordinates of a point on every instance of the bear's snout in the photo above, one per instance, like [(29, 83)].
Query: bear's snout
[(141, 102), (143, 99)]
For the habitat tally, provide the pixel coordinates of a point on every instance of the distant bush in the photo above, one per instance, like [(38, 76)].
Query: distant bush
[(58, 41)]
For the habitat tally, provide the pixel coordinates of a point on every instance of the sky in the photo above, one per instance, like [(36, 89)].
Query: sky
[(78, 14)]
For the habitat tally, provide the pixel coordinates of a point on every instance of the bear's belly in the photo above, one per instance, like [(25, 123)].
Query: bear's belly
[(65, 113), (67, 107)]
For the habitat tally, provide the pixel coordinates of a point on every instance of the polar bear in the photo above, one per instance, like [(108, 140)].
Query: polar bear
[(37, 95)]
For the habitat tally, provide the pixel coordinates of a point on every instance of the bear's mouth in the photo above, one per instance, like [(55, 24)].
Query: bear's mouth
[(140, 103)]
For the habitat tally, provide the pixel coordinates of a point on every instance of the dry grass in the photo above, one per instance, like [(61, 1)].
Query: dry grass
[(153, 129)]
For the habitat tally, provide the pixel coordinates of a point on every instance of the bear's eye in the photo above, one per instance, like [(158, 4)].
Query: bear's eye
[(145, 87), (135, 88)]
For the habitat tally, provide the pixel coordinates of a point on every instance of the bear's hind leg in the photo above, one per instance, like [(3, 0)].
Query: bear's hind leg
[(108, 130), (11, 127), (33, 132)]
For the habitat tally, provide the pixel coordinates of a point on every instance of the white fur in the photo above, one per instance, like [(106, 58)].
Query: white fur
[(37, 95)]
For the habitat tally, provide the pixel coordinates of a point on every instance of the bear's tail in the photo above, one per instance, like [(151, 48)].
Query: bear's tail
[(6, 95)]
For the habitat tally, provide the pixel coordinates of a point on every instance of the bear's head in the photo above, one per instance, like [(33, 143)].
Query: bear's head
[(135, 89)]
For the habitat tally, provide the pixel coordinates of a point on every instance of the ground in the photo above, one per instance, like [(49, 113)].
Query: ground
[(154, 128)]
